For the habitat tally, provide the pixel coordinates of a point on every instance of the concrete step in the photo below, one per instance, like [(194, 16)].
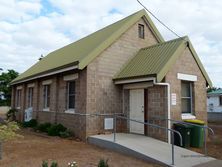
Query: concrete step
[(149, 149)]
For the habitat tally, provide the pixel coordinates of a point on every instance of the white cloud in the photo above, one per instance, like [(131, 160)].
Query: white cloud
[(26, 31), (18, 11)]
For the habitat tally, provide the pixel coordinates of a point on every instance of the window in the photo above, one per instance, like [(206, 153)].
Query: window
[(186, 97), (18, 98), (141, 31), (220, 100), (30, 96), (71, 95), (46, 96)]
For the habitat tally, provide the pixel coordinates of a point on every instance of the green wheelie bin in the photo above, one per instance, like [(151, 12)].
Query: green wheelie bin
[(197, 133), (185, 133)]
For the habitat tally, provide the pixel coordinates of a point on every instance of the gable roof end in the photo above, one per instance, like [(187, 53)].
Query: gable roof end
[(157, 60), (85, 50)]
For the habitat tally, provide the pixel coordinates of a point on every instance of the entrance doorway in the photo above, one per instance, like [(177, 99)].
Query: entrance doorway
[(137, 110)]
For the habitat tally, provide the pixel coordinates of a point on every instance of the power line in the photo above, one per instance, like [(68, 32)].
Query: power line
[(168, 28)]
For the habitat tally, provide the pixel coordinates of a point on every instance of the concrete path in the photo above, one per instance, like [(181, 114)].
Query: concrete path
[(149, 149)]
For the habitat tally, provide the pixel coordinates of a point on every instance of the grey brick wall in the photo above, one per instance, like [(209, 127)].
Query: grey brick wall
[(102, 95), (187, 64)]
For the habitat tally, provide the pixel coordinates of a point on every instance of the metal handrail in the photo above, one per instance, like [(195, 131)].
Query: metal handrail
[(201, 126), (188, 123), (116, 115), (153, 125), (96, 114)]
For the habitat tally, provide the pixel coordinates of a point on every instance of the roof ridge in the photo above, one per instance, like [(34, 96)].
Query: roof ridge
[(96, 42), (101, 29), (166, 42)]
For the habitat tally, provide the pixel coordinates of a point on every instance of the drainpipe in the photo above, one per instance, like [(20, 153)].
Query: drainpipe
[(168, 105)]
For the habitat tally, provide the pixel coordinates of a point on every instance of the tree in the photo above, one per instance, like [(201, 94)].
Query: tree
[(5, 89), (211, 89)]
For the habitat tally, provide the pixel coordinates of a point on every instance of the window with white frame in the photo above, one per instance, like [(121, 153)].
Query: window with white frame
[(186, 97), (30, 96), (46, 96), (71, 95), (18, 98)]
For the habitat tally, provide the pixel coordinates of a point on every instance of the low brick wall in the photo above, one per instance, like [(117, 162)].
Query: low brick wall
[(75, 123), (214, 116)]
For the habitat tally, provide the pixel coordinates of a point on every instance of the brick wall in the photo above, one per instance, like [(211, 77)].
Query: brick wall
[(157, 111), (187, 64), (103, 96), (95, 90)]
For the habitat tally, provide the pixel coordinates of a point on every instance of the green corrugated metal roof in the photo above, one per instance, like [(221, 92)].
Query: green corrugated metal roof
[(150, 60), (83, 51), (156, 60), (216, 92)]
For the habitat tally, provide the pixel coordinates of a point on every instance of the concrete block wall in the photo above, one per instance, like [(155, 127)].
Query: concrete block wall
[(103, 96), (58, 98), (186, 64), (214, 117), (157, 111)]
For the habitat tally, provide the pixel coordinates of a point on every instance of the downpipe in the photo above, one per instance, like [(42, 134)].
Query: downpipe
[(168, 105)]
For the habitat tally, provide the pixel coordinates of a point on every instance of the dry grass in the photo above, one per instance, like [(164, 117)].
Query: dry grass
[(32, 149)]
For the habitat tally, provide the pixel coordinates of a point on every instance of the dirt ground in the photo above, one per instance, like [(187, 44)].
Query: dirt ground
[(31, 150), (34, 148), (214, 144)]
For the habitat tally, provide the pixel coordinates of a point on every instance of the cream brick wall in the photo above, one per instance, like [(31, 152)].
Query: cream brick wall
[(103, 96), (95, 90), (187, 64), (157, 111)]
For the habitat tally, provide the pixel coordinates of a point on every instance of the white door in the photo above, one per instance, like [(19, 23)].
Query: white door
[(137, 110)]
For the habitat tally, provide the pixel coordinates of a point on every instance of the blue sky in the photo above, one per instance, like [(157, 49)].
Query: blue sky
[(29, 28)]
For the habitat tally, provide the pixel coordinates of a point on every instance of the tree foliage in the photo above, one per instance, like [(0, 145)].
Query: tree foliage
[(8, 131), (5, 89), (211, 89)]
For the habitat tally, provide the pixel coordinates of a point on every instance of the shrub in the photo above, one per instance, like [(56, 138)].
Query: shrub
[(32, 123), (44, 127), (54, 164), (55, 129), (11, 114), (44, 163), (103, 163), (65, 134)]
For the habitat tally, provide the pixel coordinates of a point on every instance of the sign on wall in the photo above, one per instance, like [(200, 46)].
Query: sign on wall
[(173, 99)]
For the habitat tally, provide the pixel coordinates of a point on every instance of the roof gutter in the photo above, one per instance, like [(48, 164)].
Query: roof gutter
[(127, 81), (45, 75)]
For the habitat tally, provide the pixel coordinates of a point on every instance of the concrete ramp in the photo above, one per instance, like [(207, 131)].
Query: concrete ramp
[(149, 149)]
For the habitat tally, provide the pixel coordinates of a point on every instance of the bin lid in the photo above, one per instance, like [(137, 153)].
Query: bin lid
[(195, 121), (183, 125)]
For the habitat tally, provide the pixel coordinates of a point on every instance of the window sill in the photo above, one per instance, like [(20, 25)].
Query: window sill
[(70, 111), (45, 109), (188, 116), (18, 108)]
